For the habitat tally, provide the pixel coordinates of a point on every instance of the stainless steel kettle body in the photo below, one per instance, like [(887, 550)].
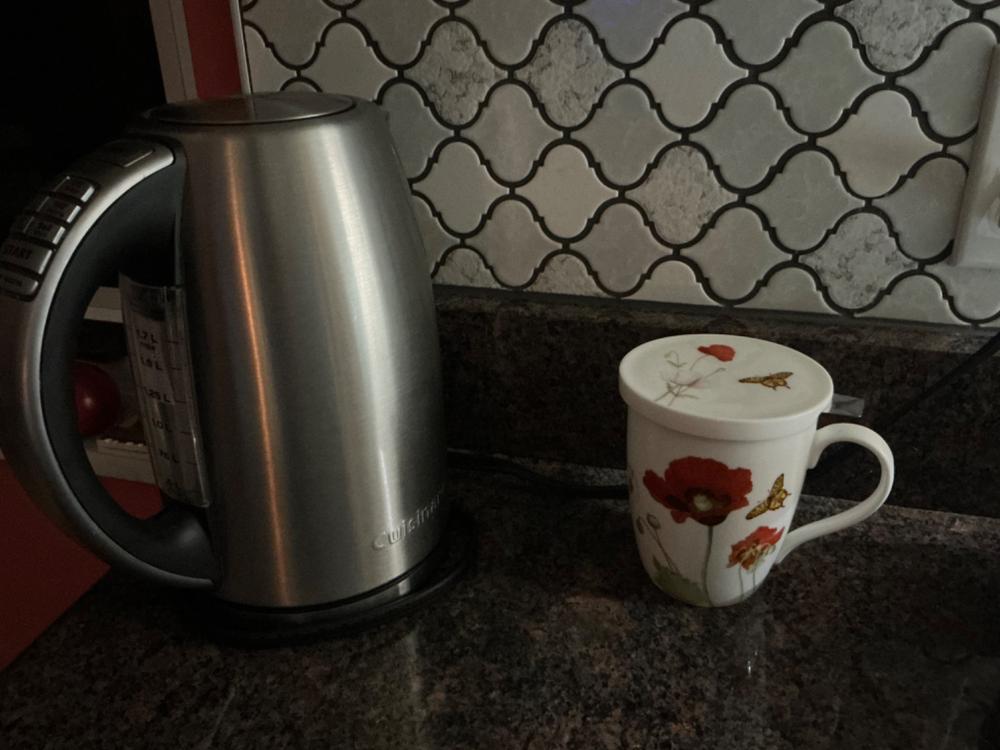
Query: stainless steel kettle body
[(311, 336)]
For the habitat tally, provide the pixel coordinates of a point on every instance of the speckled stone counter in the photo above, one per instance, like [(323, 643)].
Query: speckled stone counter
[(884, 636)]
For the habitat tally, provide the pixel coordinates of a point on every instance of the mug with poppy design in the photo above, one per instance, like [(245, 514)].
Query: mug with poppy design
[(721, 432)]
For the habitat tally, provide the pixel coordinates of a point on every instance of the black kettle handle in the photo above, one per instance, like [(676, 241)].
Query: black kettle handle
[(123, 200)]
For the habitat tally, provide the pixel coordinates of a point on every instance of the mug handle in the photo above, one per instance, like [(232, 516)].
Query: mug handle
[(845, 433)]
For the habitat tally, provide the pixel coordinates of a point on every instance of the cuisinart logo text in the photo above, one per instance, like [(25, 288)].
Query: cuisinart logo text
[(408, 525)]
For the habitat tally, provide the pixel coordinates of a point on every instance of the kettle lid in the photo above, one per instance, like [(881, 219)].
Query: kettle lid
[(252, 109)]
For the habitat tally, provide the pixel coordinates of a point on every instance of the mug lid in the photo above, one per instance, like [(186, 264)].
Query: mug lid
[(725, 387)]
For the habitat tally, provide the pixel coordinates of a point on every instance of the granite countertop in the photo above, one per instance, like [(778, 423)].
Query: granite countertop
[(884, 636)]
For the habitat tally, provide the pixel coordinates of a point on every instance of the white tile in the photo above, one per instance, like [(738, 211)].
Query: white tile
[(508, 27), (680, 194), (565, 191), (916, 298), (414, 129), (625, 134), (976, 291), (688, 72), (300, 86), (512, 243), (804, 200), (629, 28), (510, 132), (735, 253), (436, 241), (293, 34), (758, 28), (398, 28), (454, 72), (568, 72), (673, 281), (459, 187), (620, 247), (858, 261), (464, 267), (346, 65), (789, 289), (566, 274), (879, 144), (924, 210), (821, 77), (895, 32), (266, 73), (950, 83), (747, 136), (962, 149)]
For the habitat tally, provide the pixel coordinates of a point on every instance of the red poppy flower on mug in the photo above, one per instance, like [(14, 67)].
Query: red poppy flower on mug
[(721, 352), (750, 551), (703, 489)]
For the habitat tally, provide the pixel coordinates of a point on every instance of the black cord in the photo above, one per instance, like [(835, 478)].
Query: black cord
[(481, 462)]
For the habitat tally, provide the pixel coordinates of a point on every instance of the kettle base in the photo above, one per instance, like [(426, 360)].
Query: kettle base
[(263, 626)]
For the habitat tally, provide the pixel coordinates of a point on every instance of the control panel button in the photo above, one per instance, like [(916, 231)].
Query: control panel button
[(124, 153), (56, 208), (76, 188), (20, 223), (15, 283), (26, 255), (44, 230)]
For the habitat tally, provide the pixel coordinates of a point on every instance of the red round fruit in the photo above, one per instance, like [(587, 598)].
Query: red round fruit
[(97, 399)]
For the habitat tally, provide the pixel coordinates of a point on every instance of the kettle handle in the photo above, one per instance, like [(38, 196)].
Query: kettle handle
[(112, 205)]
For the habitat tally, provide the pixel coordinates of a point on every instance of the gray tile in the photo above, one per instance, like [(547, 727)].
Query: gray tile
[(620, 247), (688, 72), (879, 144), (566, 274), (436, 240), (346, 65), (294, 34), (735, 253), (454, 73), (266, 73), (464, 267), (950, 83), (858, 261), (414, 129), (568, 72), (566, 191), (924, 210), (625, 134), (674, 282), (820, 77), (512, 243), (759, 28), (300, 86), (914, 298), (510, 132), (975, 291), (629, 28), (508, 27), (804, 200), (789, 289), (747, 136), (459, 187), (962, 149), (680, 194), (895, 33), (398, 28)]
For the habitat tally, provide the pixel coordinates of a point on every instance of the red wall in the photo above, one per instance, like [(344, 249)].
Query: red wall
[(213, 47)]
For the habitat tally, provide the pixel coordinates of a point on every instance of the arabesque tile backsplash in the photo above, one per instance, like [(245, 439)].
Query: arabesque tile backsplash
[(778, 154)]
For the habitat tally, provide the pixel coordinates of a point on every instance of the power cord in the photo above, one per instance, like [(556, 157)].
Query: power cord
[(492, 464)]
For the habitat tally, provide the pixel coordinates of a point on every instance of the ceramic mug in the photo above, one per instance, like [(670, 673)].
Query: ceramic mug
[(721, 431)]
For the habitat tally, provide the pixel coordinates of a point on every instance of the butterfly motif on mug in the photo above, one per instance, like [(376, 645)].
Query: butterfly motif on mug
[(774, 381), (775, 498)]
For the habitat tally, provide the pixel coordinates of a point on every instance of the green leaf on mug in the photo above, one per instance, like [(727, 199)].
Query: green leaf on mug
[(678, 586)]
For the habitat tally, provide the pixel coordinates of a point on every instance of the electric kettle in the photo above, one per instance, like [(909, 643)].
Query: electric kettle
[(301, 364)]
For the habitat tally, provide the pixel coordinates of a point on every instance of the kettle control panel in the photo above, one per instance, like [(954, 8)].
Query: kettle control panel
[(37, 234)]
